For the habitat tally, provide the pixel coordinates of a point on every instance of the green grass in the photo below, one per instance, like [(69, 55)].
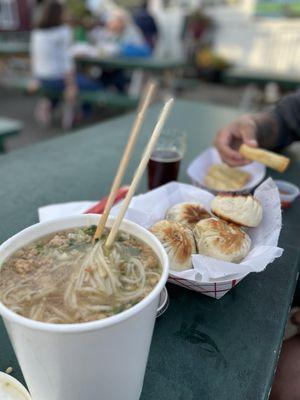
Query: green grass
[(278, 9)]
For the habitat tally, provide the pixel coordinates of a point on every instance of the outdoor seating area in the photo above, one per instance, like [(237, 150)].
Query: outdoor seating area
[(8, 127), (149, 169)]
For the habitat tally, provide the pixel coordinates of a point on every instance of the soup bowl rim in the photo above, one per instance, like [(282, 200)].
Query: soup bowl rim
[(92, 219), (24, 394)]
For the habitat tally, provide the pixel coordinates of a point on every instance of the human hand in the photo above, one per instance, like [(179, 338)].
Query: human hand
[(230, 138)]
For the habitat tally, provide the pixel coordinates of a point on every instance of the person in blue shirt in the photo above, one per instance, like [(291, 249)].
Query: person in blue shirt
[(144, 20), (120, 37)]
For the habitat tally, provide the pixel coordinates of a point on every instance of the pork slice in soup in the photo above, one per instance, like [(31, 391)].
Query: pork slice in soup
[(64, 278)]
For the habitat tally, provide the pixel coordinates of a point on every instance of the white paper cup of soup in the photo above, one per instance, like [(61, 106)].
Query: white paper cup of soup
[(288, 192), (104, 359), (11, 389)]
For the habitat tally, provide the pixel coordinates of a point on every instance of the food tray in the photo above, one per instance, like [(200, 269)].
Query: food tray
[(198, 168)]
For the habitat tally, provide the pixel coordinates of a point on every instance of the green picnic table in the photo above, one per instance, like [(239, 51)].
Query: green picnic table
[(94, 97), (166, 69), (8, 48), (241, 76), (202, 348), (8, 127), (149, 64)]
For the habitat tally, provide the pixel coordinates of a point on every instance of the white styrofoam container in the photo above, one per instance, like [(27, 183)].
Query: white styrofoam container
[(103, 359)]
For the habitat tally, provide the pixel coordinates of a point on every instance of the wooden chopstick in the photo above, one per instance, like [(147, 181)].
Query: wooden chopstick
[(125, 159), (140, 170), (145, 91), (270, 159)]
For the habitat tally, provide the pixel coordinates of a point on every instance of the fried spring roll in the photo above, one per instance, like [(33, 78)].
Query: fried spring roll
[(270, 159)]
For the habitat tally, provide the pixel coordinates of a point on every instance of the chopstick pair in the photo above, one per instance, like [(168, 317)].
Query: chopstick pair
[(124, 163)]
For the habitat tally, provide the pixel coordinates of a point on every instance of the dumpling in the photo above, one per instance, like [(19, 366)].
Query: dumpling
[(222, 240), (187, 214), (241, 209), (178, 242)]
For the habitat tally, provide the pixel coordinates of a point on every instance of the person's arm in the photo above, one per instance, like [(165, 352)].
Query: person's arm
[(287, 116), (273, 129)]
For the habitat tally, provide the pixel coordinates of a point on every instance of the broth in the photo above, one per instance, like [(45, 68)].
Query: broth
[(64, 278)]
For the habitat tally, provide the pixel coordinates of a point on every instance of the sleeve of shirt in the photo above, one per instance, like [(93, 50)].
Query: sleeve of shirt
[(287, 113)]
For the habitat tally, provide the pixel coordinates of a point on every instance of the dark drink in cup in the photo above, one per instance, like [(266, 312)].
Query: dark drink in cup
[(163, 167), (164, 163)]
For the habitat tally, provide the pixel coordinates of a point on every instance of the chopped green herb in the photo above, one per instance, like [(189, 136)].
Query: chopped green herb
[(118, 309), (40, 247), (90, 230)]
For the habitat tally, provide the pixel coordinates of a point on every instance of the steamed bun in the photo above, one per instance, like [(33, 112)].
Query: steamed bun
[(178, 242), (187, 214), (244, 210), (222, 240)]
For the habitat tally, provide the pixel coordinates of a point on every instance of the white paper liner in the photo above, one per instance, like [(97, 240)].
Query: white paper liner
[(151, 207), (46, 213), (197, 170), (209, 276)]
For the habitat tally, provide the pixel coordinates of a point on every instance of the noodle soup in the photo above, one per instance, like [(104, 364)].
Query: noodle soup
[(63, 278)]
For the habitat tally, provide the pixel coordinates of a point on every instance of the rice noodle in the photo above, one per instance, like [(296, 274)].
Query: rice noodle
[(81, 284)]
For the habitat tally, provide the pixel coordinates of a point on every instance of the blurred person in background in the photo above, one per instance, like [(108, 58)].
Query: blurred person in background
[(127, 38), (146, 23), (53, 66), (274, 130), (119, 38), (170, 20)]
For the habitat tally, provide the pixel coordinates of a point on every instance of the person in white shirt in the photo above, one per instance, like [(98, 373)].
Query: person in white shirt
[(51, 59)]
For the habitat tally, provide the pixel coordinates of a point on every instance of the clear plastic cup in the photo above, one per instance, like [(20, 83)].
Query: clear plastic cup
[(164, 163), (103, 359)]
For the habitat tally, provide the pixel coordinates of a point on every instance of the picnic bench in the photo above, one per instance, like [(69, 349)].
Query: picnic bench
[(8, 48), (142, 67), (166, 69), (8, 127), (202, 348), (242, 76), (146, 63), (94, 97)]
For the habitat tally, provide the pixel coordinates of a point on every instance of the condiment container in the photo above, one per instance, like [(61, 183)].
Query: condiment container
[(288, 192)]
